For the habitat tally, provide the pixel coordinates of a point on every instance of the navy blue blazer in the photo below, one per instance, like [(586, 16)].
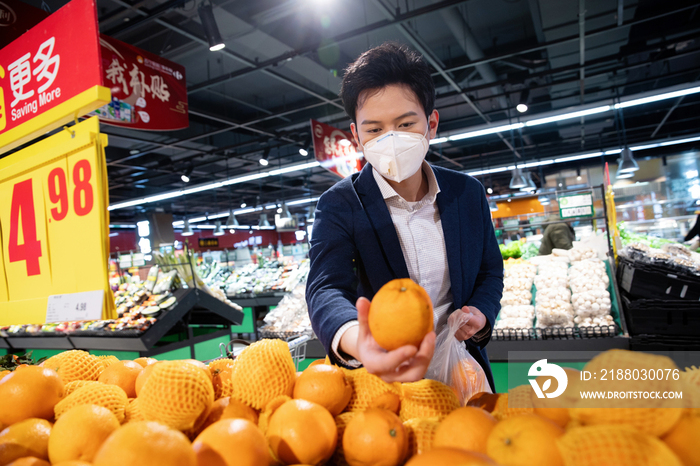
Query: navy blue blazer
[(355, 250)]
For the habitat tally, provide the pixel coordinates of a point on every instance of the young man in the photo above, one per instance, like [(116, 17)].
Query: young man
[(399, 218)]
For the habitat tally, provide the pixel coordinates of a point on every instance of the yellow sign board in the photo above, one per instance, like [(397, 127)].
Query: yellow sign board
[(54, 225)]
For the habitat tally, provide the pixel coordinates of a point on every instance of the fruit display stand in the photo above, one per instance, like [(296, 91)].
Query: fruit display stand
[(175, 329)]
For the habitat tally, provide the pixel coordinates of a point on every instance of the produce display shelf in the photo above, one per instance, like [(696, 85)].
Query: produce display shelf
[(3, 344), (267, 299), (189, 302), (498, 349)]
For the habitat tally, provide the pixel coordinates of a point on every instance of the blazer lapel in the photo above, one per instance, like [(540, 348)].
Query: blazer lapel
[(448, 204), (380, 220)]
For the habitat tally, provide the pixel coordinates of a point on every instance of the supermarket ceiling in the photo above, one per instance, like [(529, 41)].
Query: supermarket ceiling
[(284, 59)]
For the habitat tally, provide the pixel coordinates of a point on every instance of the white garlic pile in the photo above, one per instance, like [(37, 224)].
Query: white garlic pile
[(582, 253), (514, 323), (591, 303), (520, 311), (516, 297), (517, 283)]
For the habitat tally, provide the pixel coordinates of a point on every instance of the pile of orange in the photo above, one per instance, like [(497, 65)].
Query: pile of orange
[(188, 414)]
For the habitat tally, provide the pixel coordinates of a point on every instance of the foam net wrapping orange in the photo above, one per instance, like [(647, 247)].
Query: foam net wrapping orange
[(651, 421), (78, 365), (107, 396), (176, 394), (366, 388), (133, 411), (613, 445), (263, 371), (220, 370), (107, 360), (341, 421), (690, 379), (427, 398), (517, 401), (70, 387), (421, 433)]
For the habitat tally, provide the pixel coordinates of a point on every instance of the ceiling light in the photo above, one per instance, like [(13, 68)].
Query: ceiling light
[(218, 231), (524, 96), (658, 97), (263, 222), (206, 15), (517, 181), (284, 211), (509, 199), (627, 162), (134, 151), (232, 221), (186, 176), (623, 175), (530, 186), (493, 207), (303, 152), (187, 230), (578, 178), (263, 159), (279, 210), (489, 190), (568, 116), (522, 108)]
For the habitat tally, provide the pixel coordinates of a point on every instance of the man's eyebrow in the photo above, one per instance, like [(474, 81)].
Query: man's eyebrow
[(374, 122)]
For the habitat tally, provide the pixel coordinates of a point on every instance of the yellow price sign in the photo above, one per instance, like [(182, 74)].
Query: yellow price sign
[(54, 229)]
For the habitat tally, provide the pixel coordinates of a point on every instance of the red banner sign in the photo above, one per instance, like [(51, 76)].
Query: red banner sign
[(148, 92), (16, 18), (56, 60), (335, 149)]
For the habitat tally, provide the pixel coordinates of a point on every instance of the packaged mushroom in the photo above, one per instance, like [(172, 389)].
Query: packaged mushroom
[(600, 321), (525, 270), (589, 267), (517, 283), (551, 281), (514, 323), (510, 298), (591, 303), (582, 253), (583, 284), (553, 295), (552, 268), (517, 311), (553, 313)]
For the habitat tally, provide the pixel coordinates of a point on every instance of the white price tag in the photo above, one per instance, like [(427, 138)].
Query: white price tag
[(75, 306)]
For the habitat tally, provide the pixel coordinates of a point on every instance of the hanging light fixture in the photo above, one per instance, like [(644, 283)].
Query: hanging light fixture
[(626, 162), (517, 181), (530, 184), (187, 230), (620, 175), (218, 231), (206, 15), (263, 222), (493, 207), (186, 176), (524, 96), (285, 211), (263, 160), (232, 221)]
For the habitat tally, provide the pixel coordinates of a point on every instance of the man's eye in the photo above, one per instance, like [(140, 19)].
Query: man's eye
[(407, 124), (375, 130)]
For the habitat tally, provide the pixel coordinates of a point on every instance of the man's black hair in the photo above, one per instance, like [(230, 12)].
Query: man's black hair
[(390, 63)]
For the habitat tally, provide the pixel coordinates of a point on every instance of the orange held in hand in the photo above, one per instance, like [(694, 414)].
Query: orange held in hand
[(401, 313)]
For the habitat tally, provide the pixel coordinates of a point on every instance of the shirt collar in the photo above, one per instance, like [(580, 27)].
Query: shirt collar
[(388, 192)]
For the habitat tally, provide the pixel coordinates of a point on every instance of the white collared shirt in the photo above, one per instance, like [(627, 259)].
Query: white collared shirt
[(419, 229)]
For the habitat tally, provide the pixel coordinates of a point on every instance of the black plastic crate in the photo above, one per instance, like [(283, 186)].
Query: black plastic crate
[(661, 317), (640, 280)]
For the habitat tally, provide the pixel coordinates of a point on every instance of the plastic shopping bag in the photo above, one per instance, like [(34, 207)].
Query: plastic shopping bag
[(453, 365)]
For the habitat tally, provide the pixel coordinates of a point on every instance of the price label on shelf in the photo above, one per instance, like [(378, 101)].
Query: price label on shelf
[(75, 306), (54, 225), (576, 205)]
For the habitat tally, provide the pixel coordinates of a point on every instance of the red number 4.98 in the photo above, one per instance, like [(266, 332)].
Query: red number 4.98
[(22, 211)]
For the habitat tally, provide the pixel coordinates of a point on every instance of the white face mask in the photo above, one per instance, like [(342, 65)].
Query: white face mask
[(397, 155)]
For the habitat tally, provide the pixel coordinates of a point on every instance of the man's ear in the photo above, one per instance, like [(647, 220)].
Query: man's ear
[(353, 128), (433, 121)]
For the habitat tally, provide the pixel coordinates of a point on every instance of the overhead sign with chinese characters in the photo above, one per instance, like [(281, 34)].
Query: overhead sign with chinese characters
[(335, 149), (148, 92), (50, 75), (576, 205), (54, 223)]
